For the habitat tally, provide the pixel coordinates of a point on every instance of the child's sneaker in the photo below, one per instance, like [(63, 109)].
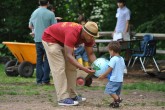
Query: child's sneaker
[(79, 99), (68, 102)]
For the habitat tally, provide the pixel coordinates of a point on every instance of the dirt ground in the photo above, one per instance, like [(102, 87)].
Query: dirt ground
[(96, 99)]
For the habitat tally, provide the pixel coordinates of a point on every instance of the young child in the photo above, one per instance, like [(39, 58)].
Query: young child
[(79, 51), (116, 69), (51, 8)]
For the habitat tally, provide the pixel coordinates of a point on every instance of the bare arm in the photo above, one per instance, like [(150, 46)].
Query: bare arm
[(127, 27), (30, 26), (69, 55), (106, 73), (90, 54)]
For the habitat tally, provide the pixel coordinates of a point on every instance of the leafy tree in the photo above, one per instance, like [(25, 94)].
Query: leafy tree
[(146, 15), (14, 19), (152, 25), (145, 10)]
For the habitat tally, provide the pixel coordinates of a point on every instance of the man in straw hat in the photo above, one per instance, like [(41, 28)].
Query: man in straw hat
[(59, 41)]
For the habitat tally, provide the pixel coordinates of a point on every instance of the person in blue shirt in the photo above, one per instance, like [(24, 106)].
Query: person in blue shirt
[(116, 69), (40, 19)]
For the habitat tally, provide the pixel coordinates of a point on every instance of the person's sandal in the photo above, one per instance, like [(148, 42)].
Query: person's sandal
[(120, 100), (111, 104), (114, 105)]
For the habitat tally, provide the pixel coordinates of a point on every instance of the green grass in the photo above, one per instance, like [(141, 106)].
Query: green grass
[(20, 85), (145, 86), (26, 86)]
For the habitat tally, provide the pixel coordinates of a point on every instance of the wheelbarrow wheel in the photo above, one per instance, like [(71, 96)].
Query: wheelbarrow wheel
[(80, 81), (26, 69), (11, 68), (88, 81)]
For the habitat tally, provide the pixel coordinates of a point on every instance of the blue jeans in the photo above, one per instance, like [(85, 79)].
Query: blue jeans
[(42, 65), (81, 53)]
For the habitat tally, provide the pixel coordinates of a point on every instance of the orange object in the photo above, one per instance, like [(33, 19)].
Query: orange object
[(22, 51), (80, 81)]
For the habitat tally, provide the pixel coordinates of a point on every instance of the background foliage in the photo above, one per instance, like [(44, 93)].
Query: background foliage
[(146, 15)]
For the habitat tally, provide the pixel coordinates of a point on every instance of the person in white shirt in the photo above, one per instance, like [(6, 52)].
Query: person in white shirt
[(121, 31)]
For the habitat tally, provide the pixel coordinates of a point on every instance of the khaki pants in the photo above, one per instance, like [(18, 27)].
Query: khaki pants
[(64, 74)]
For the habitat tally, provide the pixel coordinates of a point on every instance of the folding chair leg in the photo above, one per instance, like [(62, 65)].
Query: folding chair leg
[(144, 60), (129, 61), (134, 61), (142, 64), (155, 63)]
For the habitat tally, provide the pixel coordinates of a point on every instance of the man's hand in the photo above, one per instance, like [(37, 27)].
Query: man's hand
[(89, 70)]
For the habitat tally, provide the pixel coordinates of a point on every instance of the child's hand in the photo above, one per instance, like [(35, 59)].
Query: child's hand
[(58, 18), (103, 76)]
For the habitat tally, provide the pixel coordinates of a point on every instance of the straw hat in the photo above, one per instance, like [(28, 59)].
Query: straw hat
[(91, 28)]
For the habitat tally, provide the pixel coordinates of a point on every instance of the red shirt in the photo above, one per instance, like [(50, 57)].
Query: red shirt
[(65, 33)]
